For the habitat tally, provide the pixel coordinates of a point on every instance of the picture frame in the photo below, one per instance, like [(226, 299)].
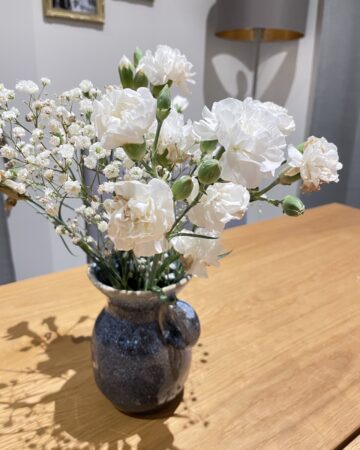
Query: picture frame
[(79, 10)]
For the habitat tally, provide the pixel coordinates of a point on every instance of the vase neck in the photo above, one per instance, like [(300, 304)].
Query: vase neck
[(137, 312)]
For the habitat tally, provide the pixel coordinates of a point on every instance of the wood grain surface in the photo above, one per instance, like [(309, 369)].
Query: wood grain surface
[(277, 366)]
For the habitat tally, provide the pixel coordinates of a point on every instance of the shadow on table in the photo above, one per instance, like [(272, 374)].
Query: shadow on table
[(81, 413)]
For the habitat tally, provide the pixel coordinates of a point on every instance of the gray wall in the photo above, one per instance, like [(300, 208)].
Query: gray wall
[(337, 98)]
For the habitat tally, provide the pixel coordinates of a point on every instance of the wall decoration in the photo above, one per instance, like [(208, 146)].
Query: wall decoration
[(83, 10)]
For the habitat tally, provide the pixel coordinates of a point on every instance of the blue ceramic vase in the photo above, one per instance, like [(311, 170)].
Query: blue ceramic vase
[(141, 346)]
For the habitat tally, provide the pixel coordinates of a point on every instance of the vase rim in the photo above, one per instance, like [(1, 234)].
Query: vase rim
[(122, 294)]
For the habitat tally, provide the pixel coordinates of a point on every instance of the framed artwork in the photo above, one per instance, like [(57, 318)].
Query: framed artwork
[(83, 10)]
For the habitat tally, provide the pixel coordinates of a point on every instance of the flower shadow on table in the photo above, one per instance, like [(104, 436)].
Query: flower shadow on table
[(82, 417)]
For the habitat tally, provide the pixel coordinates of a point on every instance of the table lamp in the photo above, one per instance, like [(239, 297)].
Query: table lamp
[(261, 21)]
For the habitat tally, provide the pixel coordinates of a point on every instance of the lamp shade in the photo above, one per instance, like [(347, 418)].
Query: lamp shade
[(278, 19)]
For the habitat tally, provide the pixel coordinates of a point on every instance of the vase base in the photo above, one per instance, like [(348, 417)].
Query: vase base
[(159, 412)]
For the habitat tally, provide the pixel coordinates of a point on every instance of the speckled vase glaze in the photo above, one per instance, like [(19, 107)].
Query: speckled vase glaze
[(141, 347)]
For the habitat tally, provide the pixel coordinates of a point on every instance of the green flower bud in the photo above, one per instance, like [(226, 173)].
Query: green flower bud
[(208, 146), (301, 147), (138, 54), (126, 72), (163, 104), (209, 171), (140, 80), (136, 152), (293, 206), (182, 187), (162, 159), (155, 90)]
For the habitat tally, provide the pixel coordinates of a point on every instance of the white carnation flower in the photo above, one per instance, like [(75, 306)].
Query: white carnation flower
[(180, 103), (285, 122), (176, 137), (198, 253), (123, 116), (72, 187), (27, 87), (253, 135), (223, 202), (142, 215), (318, 163), (167, 64)]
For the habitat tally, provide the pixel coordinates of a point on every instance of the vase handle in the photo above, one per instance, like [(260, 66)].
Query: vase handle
[(179, 324)]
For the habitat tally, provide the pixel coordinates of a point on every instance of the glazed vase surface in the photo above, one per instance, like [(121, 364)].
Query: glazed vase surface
[(141, 346)]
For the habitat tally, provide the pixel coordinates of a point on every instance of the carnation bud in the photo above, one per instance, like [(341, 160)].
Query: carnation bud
[(209, 171), (162, 159), (182, 187), (138, 54), (163, 104), (140, 80), (126, 72), (136, 152), (301, 147), (208, 146), (293, 206), (156, 90)]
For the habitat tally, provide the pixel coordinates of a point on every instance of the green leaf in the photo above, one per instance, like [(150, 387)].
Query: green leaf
[(66, 246), (202, 236)]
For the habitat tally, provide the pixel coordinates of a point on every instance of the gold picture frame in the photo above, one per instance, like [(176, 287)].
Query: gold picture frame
[(71, 10)]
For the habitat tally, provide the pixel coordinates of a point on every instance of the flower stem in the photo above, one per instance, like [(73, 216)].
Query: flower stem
[(267, 188), (156, 260), (186, 210), (154, 150)]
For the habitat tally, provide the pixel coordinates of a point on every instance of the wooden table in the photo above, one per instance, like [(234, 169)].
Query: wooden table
[(277, 366)]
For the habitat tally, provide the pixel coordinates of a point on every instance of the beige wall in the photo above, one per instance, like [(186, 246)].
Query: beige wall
[(68, 52)]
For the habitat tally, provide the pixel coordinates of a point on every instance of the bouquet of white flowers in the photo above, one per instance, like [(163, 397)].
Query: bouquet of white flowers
[(159, 189)]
